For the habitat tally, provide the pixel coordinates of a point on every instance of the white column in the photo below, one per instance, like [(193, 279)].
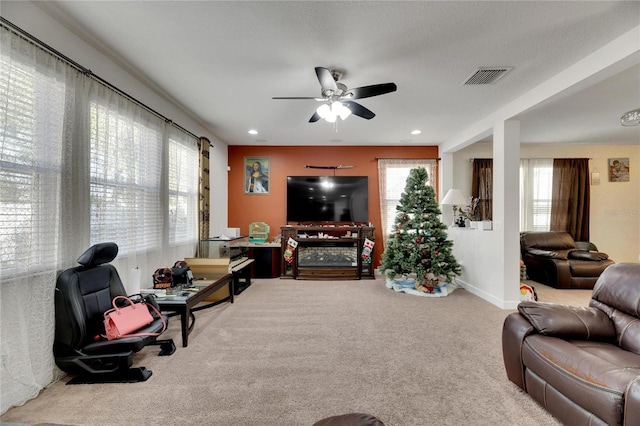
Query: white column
[(506, 205)]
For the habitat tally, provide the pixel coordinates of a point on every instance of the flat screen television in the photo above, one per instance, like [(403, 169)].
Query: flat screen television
[(327, 199)]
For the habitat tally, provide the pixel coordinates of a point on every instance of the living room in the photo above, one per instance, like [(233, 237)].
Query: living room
[(490, 259)]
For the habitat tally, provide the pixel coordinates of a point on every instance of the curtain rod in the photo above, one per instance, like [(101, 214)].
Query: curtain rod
[(32, 39), (383, 158), (539, 158)]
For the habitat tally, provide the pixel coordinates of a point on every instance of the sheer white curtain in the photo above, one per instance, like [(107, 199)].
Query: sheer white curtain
[(183, 187), (80, 164), (126, 181), (126, 171), (536, 179), (144, 183), (392, 177), (34, 149)]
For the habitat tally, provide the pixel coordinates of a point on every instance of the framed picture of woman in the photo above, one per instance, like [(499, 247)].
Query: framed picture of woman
[(618, 170), (256, 175)]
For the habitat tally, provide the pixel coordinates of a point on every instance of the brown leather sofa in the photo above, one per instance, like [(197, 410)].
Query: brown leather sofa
[(555, 259), (582, 364)]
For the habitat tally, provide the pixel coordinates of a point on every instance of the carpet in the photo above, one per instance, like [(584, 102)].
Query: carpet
[(577, 297), (291, 352)]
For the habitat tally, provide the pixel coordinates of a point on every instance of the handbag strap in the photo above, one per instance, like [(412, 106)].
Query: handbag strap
[(116, 307)]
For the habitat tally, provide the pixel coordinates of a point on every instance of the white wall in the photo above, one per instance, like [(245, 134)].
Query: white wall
[(615, 206), (479, 254), (35, 21)]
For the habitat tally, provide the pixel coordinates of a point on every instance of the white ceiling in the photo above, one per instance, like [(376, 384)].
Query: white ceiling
[(223, 61)]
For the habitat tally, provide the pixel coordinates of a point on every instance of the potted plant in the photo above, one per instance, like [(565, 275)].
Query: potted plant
[(472, 213)]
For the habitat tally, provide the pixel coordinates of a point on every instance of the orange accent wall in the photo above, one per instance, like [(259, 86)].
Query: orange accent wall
[(291, 161)]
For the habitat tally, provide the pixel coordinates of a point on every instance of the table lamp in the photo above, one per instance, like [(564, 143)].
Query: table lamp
[(455, 199)]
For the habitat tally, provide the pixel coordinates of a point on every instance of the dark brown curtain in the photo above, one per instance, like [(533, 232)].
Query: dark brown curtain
[(571, 197), (482, 187), (204, 209)]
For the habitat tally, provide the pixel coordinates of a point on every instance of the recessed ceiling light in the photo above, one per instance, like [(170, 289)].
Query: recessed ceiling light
[(416, 132), (253, 132)]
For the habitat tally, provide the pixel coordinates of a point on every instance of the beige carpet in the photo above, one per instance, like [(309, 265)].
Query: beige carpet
[(293, 352), (565, 296)]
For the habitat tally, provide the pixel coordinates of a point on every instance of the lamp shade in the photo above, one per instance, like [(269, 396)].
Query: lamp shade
[(331, 112), (454, 198), (323, 110)]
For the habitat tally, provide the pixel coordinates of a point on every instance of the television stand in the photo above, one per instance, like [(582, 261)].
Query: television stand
[(327, 252)]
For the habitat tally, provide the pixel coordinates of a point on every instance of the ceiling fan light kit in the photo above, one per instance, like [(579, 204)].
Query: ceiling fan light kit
[(631, 118), (338, 98), (331, 112)]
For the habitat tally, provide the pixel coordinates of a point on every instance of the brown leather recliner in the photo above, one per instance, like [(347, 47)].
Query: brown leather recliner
[(582, 364), (555, 259)]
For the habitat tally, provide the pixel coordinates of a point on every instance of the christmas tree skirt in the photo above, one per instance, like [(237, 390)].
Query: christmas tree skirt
[(408, 286)]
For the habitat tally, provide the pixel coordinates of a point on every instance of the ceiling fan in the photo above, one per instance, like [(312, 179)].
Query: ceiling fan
[(338, 99)]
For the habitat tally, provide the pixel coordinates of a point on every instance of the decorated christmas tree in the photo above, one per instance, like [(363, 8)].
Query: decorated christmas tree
[(418, 244)]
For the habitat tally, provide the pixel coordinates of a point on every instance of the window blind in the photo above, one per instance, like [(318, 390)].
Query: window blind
[(536, 177), (31, 122), (183, 188), (392, 175), (126, 166)]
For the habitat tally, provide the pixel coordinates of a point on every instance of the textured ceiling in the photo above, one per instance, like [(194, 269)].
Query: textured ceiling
[(224, 61)]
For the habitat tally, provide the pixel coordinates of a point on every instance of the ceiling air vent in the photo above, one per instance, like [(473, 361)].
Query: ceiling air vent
[(487, 75)]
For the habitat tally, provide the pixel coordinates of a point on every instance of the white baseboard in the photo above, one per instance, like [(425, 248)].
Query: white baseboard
[(502, 304)]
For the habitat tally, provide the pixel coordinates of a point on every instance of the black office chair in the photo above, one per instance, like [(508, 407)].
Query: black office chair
[(82, 296)]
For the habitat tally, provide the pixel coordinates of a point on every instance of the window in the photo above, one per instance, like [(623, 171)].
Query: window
[(393, 176), (31, 122), (126, 166), (79, 164), (183, 188), (536, 179)]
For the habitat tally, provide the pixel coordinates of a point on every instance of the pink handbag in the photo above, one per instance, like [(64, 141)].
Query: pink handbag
[(121, 322)]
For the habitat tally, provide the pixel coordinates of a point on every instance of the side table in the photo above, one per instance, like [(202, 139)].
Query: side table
[(183, 300)]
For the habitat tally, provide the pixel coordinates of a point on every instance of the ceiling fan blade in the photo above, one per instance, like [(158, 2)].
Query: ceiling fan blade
[(368, 91), (359, 110), (315, 117), (326, 79), (297, 97)]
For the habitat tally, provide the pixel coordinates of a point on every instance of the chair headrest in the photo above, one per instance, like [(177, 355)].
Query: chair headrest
[(618, 287), (546, 240), (98, 254)]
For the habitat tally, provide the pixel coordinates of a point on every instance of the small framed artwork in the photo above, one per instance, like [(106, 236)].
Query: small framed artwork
[(618, 169), (595, 178), (256, 175)]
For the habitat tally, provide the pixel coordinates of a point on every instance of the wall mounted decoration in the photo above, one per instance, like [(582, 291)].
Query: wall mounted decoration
[(618, 170), (256, 175)]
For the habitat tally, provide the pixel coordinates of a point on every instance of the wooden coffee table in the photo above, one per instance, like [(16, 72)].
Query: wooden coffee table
[(183, 300)]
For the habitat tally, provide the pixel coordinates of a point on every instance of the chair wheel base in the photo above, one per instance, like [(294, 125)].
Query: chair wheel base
[(132, 375)]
